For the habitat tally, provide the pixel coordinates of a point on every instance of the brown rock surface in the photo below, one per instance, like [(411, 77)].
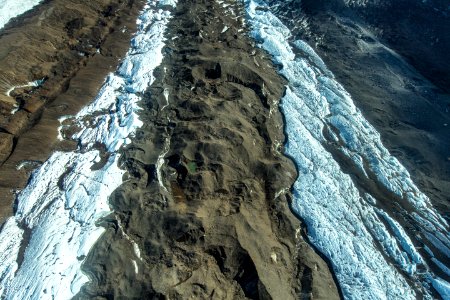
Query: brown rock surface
[(203, 211), (6, 146)]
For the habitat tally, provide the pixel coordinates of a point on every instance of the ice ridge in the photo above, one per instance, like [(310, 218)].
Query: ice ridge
[(372, 255), (55, 220)]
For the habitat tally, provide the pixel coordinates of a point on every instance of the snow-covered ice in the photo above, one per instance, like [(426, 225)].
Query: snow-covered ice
[(57, 211), (372, 255), (13, 8)]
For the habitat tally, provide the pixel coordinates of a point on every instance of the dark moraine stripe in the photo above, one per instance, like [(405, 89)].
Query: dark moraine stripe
[(203, 211)]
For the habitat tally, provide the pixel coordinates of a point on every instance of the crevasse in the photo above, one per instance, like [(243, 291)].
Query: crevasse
[(371, 254)]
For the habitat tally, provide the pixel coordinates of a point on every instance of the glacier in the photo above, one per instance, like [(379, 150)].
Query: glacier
[(54, 226), (13, 8), (370, 252)]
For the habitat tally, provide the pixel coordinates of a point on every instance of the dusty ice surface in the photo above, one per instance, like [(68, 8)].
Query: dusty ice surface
[(372, 255), (56, 213), (13, 8)]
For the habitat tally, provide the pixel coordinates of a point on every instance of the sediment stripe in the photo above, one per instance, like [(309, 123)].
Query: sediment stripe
[(54, 227), (205, 196)]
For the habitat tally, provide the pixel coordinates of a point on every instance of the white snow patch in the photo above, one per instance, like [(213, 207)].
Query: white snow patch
[(15, 109), (136, 268), (160, 163), (166, 97), (137, 251), (61, 126), (35, 83)]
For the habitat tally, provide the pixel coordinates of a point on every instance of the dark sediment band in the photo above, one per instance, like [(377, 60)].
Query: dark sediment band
[(203, 211)]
